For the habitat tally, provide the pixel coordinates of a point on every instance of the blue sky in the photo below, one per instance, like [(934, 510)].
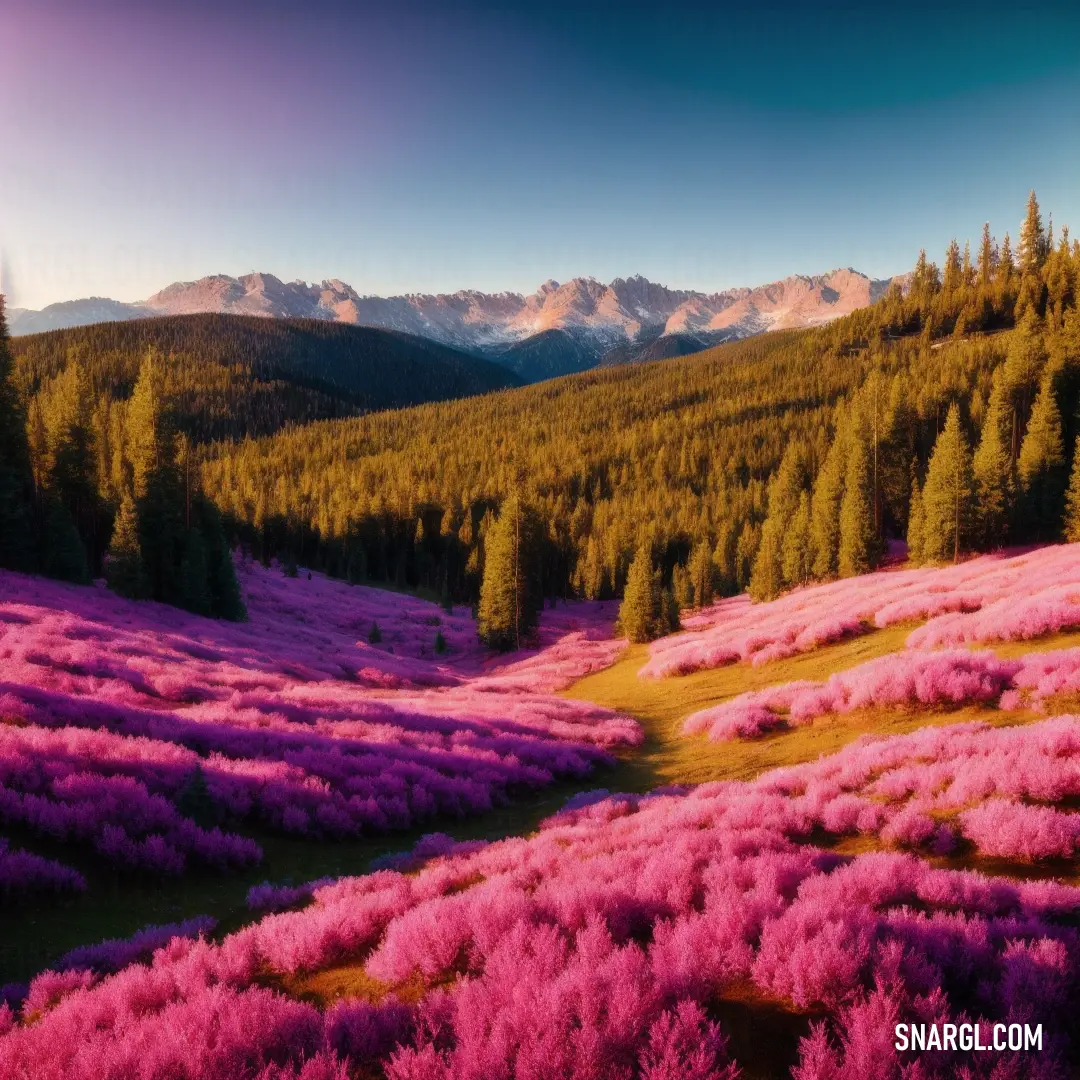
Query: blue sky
[(427, 148)]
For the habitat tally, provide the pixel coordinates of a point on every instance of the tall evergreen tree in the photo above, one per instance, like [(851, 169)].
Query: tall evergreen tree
[(1033, 241), (640, 614), (745, 551), (702, 574), (797, 550), (767, 576), (1006, 264), (916, 529), (71, 470), (988, 256), (857, 538), (967, 271), (952, 278), (1024, 363), (785, 488), (947, 493), (992, 471), (1042, 467), (825, 508), (17, 547), (157, 483), (64, 555), (510, 595), (124, 570), (193, 573)]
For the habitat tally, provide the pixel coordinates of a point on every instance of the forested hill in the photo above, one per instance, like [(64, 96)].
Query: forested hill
[(946, 412), (235, 375)]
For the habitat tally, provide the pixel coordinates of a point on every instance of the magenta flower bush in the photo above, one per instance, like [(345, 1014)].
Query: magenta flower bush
[(913, 679), (23, 874), (596, 947), (292, 721), (988, 599)]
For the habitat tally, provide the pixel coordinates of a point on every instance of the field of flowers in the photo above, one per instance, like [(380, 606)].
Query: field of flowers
[(152, 737), (985, 600), (776, 926)]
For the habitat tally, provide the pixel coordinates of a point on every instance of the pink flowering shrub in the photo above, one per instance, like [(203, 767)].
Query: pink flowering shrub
[(117, 710), (991, 598), (1016, 830), (595, 947), (267, 897), (22, 874), (116, 953), (913, 679)]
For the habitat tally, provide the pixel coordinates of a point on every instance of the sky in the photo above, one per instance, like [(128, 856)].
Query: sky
[(414, 147)]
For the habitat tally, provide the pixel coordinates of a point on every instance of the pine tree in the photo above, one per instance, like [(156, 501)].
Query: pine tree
[(767, 576), (510, 597), (1072, 499), (1033, 242), (967, 271), (952, 278), (1042, 467), (745, 551), (641, 608), (156, 483), (222, 588), (916, 529), (825, 509), (797, 550), (1006, 264), (857, 538), (124, 570), (785, 489), (64, 554), (925, 280), (682, 587), (947, 493), (702, 574), (17, 547), (992, 471), (723, 557), (1024, 363), (193, 571), (71, 456), (988, 257)]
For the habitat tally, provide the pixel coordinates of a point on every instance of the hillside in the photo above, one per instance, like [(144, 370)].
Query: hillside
[(764, 462), (232, 376)]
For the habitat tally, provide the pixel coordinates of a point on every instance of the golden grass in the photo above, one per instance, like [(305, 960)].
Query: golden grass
[(661, 705), (1013, 650)]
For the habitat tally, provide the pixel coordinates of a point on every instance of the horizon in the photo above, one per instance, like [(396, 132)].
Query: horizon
[(504, 145)]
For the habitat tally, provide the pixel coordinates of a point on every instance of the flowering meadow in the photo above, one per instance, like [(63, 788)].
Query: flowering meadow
[(926, 877), (601, 946), (988, 599), (152, 737)]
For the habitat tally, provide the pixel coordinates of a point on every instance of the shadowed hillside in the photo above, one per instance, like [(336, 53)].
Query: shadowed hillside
[(234, 375)]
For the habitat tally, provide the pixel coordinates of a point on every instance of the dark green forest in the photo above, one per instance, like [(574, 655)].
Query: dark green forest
[(945, 414), (228, 376)]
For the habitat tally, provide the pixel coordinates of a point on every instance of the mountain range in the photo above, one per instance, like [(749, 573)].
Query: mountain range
[(554, 330)]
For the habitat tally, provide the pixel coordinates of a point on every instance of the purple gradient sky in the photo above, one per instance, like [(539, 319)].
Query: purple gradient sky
[(412, 148)]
